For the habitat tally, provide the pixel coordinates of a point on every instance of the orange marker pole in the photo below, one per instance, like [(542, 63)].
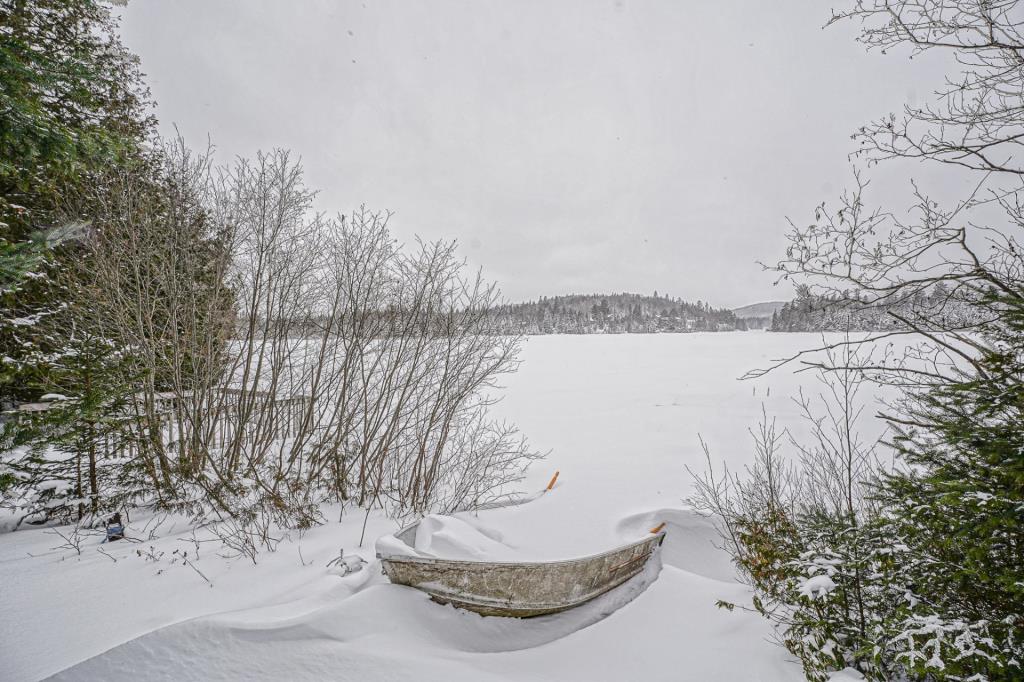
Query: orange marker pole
[(657, 529), (552, 483)]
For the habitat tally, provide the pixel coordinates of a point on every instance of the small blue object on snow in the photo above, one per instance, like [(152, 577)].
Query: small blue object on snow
[(115, 529), (115, 533)]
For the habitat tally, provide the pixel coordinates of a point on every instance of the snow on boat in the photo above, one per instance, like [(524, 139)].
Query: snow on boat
[(514, 588)]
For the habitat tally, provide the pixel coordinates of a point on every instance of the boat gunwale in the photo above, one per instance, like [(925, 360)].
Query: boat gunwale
[(403, 558)]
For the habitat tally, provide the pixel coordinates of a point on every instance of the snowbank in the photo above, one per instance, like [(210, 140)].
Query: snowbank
[(452, 538)]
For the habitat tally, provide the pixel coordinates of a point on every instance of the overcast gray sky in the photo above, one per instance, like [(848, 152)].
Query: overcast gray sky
[(568, 146)]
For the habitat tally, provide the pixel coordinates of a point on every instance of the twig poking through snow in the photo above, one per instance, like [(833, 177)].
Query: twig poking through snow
[(193, 567)]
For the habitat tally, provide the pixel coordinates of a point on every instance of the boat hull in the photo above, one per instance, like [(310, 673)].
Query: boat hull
[(517, 589)]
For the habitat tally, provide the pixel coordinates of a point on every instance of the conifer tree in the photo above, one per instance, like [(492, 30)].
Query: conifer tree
[(72, 101), (957, 510)]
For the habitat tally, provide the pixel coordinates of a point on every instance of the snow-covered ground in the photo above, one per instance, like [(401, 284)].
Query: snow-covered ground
[(621, 416)]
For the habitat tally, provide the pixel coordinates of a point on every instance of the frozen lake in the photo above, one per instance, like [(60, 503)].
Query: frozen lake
[(622, 413)]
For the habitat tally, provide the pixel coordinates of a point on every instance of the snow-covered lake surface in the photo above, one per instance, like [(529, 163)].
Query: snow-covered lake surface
[(621, 417)]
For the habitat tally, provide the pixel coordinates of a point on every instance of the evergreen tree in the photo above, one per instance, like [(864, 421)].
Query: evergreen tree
[(72, 102), (958, 513)]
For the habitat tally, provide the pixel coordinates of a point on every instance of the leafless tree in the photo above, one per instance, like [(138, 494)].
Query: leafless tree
[(964, 247), (785, 518), (836, 463), (976, 121), (962, 253), (285, 358)]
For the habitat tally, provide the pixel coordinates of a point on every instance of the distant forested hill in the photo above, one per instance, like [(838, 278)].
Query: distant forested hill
[(758, 315), (813, 313), (759, 309), (615, 314)]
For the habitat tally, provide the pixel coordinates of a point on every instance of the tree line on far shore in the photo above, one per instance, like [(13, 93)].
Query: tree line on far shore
[(937, 308), (622, 313)]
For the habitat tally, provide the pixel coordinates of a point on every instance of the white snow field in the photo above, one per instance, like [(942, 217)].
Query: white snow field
[(621, 417)]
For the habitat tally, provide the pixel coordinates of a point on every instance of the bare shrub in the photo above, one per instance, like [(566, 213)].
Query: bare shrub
[(799, 528), (282, 359)]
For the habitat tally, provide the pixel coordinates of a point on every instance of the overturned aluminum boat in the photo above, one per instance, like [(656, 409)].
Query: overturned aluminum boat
[(518, 589)]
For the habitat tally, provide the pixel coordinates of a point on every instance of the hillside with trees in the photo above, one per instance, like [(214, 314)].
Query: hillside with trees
[(758, 315), (937, 307), (622, 313)]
